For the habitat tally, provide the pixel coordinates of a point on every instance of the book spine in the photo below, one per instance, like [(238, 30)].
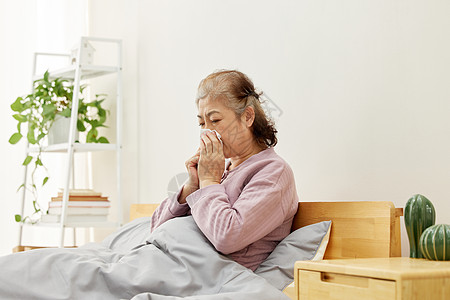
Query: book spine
[(80, 210), (81, 204), (81, 194), (81, 198)]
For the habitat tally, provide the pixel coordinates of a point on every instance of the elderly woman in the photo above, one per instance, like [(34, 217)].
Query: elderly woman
[(244, 205)]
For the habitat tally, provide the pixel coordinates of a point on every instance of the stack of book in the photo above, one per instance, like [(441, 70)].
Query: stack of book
[(84, 205)]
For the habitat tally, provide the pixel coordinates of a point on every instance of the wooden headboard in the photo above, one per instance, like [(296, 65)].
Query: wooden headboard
[(359, 228)]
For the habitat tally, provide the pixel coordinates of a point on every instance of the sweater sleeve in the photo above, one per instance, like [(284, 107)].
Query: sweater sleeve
[(260, 209), (169, 209)]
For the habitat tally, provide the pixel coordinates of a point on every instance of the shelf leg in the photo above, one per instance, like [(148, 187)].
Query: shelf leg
[(25, 173), (119, 135), (22, 204), (73, 126)]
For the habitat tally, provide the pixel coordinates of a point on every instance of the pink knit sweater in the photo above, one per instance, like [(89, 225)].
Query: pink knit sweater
[(247, 214)]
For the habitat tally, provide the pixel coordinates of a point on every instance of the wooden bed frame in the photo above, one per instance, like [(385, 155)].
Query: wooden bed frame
[(360, 229)]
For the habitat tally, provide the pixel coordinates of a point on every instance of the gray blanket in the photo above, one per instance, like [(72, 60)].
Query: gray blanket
[(176, 261)]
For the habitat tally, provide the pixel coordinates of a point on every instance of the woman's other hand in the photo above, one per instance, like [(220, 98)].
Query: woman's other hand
[(211, 164), (192, 184), (191, 167)]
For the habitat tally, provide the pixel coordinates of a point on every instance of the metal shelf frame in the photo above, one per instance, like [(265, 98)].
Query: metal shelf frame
[(77, 73), (77, 147)]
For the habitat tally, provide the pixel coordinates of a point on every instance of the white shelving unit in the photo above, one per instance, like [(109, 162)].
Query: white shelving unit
[(77, 73)]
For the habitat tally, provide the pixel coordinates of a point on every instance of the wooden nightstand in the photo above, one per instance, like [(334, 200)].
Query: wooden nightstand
[(399, 278)]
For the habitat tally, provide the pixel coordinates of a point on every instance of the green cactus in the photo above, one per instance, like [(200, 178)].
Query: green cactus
[(435, 242), (419, 215)]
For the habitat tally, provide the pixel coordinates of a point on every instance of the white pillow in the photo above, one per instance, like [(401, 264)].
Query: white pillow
[(306, 243)]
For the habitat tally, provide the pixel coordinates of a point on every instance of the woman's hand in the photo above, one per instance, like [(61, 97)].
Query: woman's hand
[(192, 184), (211, 164)]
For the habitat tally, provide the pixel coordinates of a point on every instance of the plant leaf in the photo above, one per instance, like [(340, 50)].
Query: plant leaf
[(48, 109), (66, 112), (30, 136), (18, 218), (17, 105), (80, 126), (92, 104), (103, 140), (15, 138), (91, 136), (101, 112), (45, 181), (27, 160), (46, 76), (94, 123), (20, 118), (40, 136)]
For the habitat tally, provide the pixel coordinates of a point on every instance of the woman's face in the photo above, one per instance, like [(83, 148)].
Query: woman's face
[(235, 133)]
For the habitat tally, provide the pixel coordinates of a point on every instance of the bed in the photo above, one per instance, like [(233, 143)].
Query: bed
[(360, 229), (171, 263)]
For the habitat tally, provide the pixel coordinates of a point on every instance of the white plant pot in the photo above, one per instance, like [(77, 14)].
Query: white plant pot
[(59, 132)]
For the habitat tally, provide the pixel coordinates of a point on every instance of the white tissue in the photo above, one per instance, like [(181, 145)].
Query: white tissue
[(209, 130)]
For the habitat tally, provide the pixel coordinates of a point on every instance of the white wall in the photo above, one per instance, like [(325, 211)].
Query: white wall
[(120, 22), (14, 62)]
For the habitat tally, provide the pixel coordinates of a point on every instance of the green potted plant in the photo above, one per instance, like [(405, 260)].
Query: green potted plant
[(52, 99)]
